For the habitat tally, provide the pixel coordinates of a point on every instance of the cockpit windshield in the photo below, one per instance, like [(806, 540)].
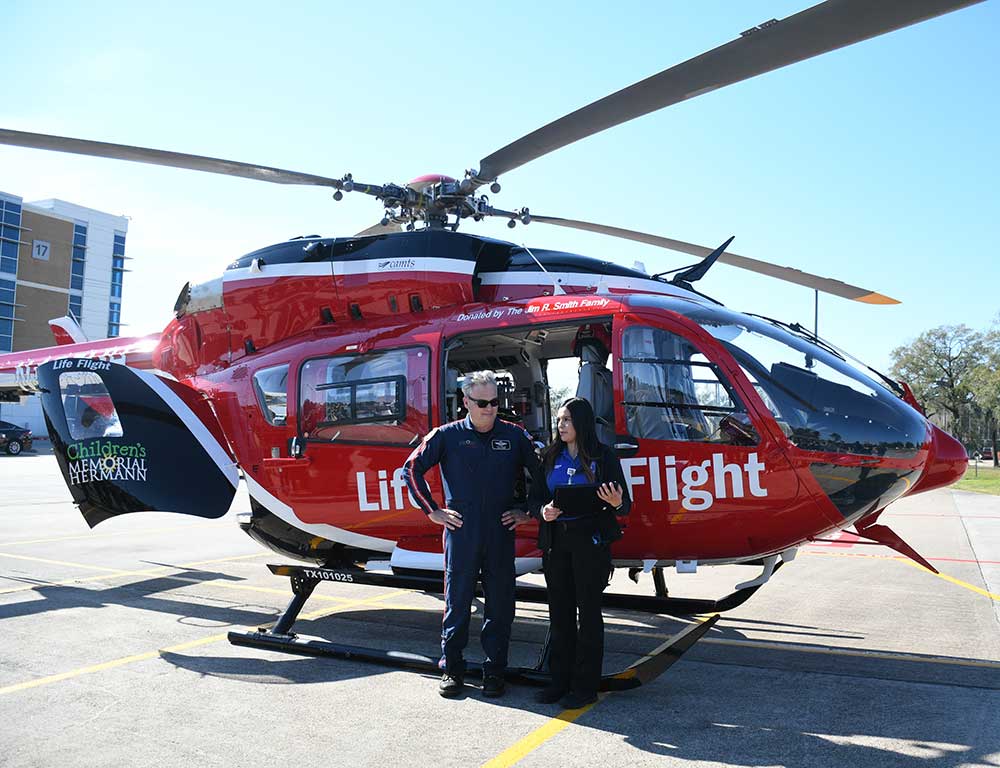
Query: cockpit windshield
[(820, 402)]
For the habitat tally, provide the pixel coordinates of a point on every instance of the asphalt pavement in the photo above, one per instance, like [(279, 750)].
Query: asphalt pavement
[(113, 652)]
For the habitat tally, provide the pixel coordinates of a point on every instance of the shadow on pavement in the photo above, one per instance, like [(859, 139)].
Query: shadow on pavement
[(142, 595)]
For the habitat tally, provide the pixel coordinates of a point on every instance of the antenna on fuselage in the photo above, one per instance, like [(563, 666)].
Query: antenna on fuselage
[(557, 290)]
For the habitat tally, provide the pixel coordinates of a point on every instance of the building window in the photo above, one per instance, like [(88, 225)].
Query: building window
[(114, 319), (79, 256), (76, 308), (10, 235), (7, 289), (118, 266)]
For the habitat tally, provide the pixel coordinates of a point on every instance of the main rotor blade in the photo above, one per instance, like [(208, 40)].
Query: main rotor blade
[(788, 274), (161, 157), (775, 44)]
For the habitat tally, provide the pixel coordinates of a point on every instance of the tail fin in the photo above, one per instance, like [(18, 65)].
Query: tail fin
[(129, 441), (67, 330)]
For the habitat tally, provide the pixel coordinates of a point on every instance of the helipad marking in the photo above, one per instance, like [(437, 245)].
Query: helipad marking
[(794, 648), (518, 751), (108, 573), (92, 535), (959, 582), (900, 558), (180, 647), (60, 562)]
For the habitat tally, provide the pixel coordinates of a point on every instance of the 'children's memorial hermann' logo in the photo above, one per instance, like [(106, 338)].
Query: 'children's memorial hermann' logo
[(103, 460)]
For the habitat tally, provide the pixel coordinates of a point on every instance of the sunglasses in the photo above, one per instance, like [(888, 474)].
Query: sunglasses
[(487, 403)]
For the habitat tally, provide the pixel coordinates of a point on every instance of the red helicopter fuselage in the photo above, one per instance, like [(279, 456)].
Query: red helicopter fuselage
[(317, 366)]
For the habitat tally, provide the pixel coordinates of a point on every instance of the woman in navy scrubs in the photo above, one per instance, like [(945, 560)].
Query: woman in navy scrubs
[(576, 549)]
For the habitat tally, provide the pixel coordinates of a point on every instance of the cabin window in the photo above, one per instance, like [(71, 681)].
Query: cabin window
[(90, 412), (380, 397), (271, 385), (673, 392)]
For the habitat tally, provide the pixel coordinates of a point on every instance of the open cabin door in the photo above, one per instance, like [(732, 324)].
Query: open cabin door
[(706, 472), (128, 441)]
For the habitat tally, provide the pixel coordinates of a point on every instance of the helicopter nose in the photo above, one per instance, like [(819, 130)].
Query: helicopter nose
[(946, 463)]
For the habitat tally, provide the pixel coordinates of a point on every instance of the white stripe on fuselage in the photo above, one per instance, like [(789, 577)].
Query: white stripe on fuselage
[(207, 440), (370, 267), (584, 280), (283, 511)]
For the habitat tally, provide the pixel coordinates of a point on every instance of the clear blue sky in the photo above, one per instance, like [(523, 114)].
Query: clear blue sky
[(876, 164)]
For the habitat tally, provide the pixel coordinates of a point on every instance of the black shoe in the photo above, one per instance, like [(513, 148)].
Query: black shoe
[(493, 686), (451, 685), (550, 695), (574, 700)]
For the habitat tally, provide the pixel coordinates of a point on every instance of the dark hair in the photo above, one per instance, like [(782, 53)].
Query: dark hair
[(582, 415)]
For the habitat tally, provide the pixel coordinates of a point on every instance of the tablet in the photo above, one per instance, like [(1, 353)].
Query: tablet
[(577, 501)]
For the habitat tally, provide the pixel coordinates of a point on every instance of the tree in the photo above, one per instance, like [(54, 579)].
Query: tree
[(940, 365), (557, 396), (985, 386)]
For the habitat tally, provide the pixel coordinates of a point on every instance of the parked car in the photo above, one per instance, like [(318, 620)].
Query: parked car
[(13, 438), (986, 454)]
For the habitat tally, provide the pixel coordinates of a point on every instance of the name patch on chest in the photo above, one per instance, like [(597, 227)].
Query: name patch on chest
[(501, 445)]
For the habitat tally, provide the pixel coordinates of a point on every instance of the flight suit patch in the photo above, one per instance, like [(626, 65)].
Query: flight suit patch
[(501, 445)]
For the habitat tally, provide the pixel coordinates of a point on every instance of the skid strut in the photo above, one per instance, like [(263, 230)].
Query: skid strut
[(304, 581)]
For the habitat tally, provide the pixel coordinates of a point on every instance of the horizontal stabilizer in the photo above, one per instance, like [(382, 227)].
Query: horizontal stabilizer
[(66, 330)]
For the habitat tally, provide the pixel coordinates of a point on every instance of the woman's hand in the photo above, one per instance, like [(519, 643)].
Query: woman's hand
[(550, 512), (610, 493), (514, 517)]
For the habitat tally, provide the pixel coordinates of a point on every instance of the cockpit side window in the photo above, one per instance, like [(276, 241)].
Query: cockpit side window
[(673, 392), (271, 385)]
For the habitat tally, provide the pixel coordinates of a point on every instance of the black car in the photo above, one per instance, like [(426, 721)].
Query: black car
[(13, 438)]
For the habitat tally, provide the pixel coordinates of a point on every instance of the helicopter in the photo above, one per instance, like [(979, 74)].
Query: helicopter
[(312, 368)]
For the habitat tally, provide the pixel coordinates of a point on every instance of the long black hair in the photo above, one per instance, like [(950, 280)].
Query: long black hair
[(582, 415)]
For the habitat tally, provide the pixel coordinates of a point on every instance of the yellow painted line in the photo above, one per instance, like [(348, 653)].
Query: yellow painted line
[(908, 561), (107, 665), (109, 573), (953, 580), (791, 647), (141, 572), (60, 562), (882, 655), (224, 559), (166, 577), (536, 738), (521, 749), (177, 648), (92, 535), (249, 587), (64, 582)]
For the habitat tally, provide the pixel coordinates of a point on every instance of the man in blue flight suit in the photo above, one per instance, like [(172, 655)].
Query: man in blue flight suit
[(481, 458)]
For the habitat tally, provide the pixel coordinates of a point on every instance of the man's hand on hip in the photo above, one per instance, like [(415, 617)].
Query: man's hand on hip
[(449, 518)]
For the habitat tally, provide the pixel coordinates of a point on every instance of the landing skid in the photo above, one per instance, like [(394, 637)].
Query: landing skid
[(662, 605), (304, 580)]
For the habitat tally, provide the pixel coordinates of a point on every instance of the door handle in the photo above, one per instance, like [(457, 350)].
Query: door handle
[(626, 446)]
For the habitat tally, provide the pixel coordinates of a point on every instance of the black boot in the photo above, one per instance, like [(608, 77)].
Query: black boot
[(451, 685)]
